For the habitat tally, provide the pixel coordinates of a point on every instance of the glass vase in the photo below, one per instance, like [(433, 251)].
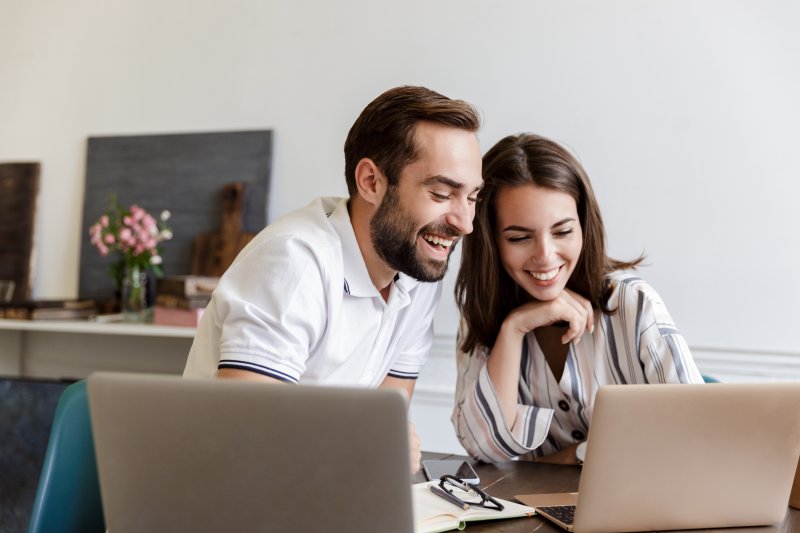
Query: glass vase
[(136, 303)]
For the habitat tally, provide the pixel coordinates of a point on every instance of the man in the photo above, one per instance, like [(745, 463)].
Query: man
[(344, 291)]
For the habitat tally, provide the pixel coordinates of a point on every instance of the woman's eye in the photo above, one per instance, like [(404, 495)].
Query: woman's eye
[(518, 238), (563, 233), (440, 197)]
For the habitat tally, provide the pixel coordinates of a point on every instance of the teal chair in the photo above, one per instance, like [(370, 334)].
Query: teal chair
[(709, 379), (68, 495)]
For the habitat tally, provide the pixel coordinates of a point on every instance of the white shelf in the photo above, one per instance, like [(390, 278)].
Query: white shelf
[(97, 328)]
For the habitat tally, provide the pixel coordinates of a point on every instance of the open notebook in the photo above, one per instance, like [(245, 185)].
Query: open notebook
[(663, 457), (433, 513)]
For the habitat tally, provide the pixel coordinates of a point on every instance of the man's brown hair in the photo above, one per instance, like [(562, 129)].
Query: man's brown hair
[(384, 131)]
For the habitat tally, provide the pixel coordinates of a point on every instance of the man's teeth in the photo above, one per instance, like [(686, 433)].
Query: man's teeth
[(545, 276), (437, 240)]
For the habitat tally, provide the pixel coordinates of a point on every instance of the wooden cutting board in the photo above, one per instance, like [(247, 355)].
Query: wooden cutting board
[(213, 252)]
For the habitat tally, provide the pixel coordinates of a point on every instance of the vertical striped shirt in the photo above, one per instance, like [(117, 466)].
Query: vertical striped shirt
[(639, 343)]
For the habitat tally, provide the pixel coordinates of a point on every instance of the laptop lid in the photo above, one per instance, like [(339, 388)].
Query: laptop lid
[(180, 454), (689, 456)]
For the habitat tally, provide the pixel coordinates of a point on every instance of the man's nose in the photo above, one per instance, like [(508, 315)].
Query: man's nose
[(461, 215)]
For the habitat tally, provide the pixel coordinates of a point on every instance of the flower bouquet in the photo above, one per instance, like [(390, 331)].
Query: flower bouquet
[(133, 235)]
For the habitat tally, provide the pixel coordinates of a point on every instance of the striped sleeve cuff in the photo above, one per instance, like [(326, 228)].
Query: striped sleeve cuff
[(403, 375), (258, 369), (489, 431)]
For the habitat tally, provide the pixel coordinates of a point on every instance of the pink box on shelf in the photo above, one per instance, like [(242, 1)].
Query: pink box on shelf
[(174, 316)]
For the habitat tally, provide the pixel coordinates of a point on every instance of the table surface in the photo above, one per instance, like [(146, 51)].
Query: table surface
[(504, 480)]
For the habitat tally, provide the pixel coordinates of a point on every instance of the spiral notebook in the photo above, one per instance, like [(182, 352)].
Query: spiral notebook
[(433, 514)]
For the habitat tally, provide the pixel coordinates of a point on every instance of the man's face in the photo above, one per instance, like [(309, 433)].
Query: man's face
[(420, 220)]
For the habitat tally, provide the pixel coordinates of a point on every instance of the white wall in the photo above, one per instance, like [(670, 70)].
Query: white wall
[(684, 112)]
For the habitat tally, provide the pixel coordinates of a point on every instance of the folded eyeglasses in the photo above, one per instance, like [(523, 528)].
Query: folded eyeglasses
[(463, 494)]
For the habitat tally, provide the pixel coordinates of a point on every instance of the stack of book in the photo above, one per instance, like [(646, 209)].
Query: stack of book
[(49, 309), (181, 300)]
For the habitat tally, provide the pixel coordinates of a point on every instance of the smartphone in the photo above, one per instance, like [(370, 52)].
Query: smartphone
[(436, 468)]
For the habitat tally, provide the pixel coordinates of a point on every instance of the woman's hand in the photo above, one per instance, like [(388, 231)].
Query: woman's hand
[(505, 356), (567, 456), (568, 307)]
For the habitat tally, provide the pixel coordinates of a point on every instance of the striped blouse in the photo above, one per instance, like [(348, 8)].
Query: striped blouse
[(637, 344)]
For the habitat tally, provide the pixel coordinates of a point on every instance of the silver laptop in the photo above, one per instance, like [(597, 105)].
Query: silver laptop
[(179, 454), (683, 457)]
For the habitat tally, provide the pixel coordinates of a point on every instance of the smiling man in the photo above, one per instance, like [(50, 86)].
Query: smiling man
[(344, 290)]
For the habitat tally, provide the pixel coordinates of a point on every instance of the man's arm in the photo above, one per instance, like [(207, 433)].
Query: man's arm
[(406, 386), (244, 375)]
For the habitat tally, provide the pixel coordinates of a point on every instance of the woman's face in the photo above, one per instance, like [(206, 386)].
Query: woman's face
[(539, 237)]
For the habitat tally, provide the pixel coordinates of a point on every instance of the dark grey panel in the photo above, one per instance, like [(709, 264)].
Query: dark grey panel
[(180, 172), (27, 407)]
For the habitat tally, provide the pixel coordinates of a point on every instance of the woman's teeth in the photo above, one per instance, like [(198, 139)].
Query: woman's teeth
[(545, 276)]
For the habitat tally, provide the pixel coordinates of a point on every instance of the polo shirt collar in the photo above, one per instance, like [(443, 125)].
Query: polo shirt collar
[(356, 277)]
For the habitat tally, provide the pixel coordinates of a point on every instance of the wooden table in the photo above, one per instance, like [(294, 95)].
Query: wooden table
[(504, 480)]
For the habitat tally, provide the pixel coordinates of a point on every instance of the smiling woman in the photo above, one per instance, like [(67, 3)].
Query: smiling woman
[(547, 316)]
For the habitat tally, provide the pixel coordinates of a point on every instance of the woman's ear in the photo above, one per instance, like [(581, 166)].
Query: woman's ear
[(370, 181)]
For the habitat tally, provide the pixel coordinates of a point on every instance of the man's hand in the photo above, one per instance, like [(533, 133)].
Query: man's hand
[(413, 446)]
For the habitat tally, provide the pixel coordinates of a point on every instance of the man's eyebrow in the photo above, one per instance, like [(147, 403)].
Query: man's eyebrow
[(447, 182), (529, 230)]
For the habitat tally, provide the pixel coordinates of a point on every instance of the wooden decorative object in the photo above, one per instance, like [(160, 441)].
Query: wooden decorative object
[(19, 189), (213, 252)]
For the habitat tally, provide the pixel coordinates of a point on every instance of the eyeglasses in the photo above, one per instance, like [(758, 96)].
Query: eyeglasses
[(463, 494)]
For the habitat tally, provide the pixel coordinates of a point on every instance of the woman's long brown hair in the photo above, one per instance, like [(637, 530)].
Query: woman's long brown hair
[(485, 293)]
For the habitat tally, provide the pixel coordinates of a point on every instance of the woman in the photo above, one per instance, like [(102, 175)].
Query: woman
[(547, 316)]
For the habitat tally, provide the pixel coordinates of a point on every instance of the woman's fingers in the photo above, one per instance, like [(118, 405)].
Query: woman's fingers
[(581, 316), (568, 307)]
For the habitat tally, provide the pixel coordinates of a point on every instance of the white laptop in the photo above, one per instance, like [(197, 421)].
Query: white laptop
[(663, 457), (178, 454)]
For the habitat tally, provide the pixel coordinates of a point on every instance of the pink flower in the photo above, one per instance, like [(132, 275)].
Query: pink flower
[(137, 212), (132, 234)]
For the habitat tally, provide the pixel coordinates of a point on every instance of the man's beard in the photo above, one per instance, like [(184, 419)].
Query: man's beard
[(394, 235)]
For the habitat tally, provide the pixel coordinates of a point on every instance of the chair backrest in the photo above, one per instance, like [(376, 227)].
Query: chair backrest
[(68, 496)]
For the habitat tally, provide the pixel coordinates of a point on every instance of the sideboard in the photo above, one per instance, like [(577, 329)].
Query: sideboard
[(74, 349)]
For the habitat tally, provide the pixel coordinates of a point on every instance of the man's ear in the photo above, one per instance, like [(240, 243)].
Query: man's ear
[(370, 181)]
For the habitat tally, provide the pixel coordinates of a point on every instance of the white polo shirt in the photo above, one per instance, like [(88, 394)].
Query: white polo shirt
[(298, 305)]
